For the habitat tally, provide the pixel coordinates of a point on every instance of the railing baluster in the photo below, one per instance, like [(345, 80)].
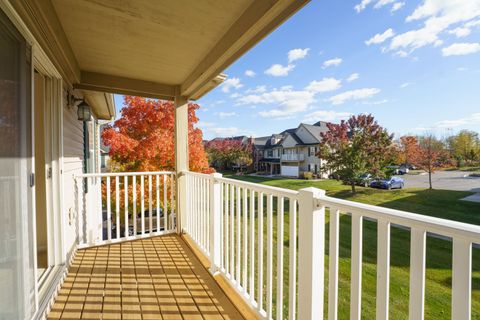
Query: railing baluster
[(356, 271), (245, 240), (142, 204), (157, 189), (334, 244), (150, 212), (260, 251), (172, 203), (165, 208), (125, 187), (417, 274), (383, 268), (238, 238), (227, 227), (269, 286), (232, 231), (292, 248), (252, 246), (134, 190), (222, 226), (280, 230), (109, 211), (117, 206), (461, 279)]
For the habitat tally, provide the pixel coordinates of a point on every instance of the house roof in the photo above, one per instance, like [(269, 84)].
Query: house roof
[(314, 130)]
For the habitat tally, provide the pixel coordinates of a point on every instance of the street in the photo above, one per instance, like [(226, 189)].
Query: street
[(447, 180)]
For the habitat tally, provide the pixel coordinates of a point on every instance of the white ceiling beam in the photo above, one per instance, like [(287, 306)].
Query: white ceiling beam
[(120, 85)]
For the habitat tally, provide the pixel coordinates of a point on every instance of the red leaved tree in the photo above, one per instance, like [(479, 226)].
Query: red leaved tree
[(409, 150), (143, 138), (429, 156), (226, 153), (354, 147)]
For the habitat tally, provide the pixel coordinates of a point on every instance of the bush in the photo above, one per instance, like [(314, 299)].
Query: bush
[(308, 175)]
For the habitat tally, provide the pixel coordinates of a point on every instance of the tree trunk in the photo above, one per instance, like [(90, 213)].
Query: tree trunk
[(353, 186), (430, 178)]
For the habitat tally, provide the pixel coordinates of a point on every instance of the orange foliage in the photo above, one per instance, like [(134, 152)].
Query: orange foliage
[(143, 138)]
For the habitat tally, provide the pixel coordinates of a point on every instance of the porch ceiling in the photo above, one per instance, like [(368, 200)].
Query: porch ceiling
[(158, 49)]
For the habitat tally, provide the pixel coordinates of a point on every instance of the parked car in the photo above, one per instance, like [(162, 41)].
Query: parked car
[(402, 169), (364, 180), (389, 183)]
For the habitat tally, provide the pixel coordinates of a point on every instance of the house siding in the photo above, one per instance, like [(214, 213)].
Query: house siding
[(72, 164)]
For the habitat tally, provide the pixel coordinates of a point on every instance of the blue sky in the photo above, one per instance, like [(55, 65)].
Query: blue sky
[(414, 65)]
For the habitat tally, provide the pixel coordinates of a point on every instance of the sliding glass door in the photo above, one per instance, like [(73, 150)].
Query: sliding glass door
[(17, 235)]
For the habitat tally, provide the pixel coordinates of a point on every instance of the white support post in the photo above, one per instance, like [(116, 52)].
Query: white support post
[(214, 223), (181, 156), (311, 251)]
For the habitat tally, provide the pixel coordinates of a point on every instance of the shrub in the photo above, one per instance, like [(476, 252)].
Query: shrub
[(307, 175)]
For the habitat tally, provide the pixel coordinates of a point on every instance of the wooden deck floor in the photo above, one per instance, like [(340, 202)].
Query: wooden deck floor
[(154, 278)]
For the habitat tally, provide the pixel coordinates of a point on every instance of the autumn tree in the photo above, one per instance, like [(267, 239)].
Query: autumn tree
[(409, 149), (142, 139), (464, 146), (224, 153), (355, 146), (430, 151)]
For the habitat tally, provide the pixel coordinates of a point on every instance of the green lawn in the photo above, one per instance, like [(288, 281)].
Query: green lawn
[(438, 203)]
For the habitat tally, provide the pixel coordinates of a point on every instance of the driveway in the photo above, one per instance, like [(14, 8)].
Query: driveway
[(447, 180)]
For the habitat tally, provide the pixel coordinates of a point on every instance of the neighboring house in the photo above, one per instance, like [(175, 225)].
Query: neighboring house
[(291, 152)]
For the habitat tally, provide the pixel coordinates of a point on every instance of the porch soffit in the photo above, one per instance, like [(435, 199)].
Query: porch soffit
[(150, 48)]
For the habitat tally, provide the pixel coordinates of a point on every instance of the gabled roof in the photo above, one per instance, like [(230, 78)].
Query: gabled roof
[(315, 129)]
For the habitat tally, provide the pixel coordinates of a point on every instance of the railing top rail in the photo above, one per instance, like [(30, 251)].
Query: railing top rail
[(261, 188), (440, 226), (121, 174), (255, 186)]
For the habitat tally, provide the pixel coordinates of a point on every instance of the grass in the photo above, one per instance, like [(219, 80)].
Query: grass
[(466, 168), (439, 203)]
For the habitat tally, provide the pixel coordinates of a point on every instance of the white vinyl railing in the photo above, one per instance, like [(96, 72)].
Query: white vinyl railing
[(251, 233), (293, 157), (124, 206)]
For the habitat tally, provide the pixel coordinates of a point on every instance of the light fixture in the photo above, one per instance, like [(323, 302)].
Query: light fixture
[(83, 112)]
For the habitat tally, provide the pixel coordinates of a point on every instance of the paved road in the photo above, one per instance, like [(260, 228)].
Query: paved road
[(448, 180)]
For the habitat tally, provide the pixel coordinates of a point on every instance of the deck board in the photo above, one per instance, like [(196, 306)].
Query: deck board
[(153, 278)]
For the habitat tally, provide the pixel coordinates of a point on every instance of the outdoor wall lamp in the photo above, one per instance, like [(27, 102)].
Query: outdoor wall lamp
[(83, 112)]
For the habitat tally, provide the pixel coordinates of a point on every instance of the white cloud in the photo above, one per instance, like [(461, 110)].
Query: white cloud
[(324, 85), (285, 101), (397, 6), (297, 54), (461, 49), (472, 120), (460, 32), (224, 132), (438, 15), (405, 84), (277, 70), (382, 3), (231, 83), (353, 77), (250, 73), (235, 95), (358, 94), (332, 62), (380, 37), (328, 116), (472, 24), (257, 89), (376, 103), (225, 114), (362, 5)]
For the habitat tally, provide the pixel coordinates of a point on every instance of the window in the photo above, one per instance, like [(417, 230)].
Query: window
[(311, 151)]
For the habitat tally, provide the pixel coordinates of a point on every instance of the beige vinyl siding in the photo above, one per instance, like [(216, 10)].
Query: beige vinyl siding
[(72, 164)]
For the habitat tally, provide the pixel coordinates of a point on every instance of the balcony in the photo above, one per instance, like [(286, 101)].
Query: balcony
[(264, 247), (293, 157)]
